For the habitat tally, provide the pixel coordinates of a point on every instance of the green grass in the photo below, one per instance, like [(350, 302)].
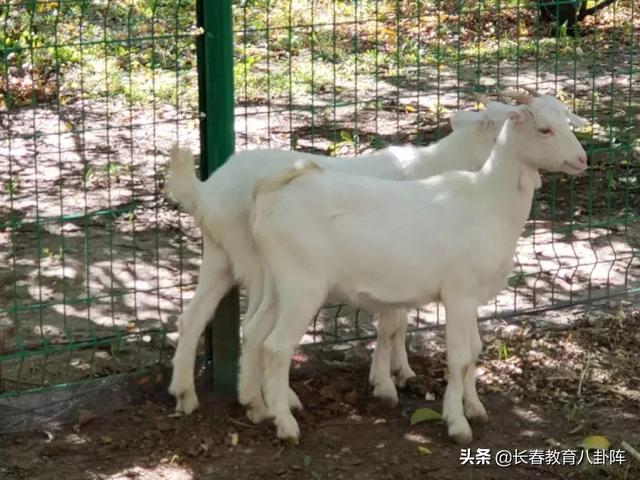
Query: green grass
[(128, 50), (278, 51)]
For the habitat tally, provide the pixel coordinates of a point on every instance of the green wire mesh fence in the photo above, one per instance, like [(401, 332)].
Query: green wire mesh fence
[(344, 78), (95, 264), (93, 260)]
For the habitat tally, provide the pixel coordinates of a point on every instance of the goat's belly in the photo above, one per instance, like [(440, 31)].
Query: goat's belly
[(496, 281), (372, 297)]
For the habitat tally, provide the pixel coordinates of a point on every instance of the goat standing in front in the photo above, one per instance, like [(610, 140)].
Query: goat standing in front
[(221, 207), (382, 245)]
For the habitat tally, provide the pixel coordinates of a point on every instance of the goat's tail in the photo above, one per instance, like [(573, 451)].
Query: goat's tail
[(275, 182), (182, 183)]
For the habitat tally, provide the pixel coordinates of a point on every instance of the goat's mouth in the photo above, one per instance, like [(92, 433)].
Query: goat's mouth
[(574, 168)]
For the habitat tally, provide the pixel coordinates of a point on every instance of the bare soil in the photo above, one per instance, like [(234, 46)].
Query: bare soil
[(549, 389)]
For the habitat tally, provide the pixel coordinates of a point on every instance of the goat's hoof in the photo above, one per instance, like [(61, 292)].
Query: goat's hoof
[(294, 401), (386, 392), (460, 431), (187, 402), (476, 413), (287, 429), (183, 389), (401, 377), (185, 394), (257, 415), (293, 441)]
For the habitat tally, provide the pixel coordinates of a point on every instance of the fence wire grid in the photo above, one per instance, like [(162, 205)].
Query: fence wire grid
[(96, 264), (93, 260)]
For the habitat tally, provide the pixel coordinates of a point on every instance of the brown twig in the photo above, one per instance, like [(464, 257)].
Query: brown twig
[(279, 452), (242, 424), (582, 375), (630, 450), (20, 382), (576, 430)]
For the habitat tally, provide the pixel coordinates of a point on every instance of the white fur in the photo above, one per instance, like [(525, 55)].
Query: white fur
[(221, 206), (383, 245)]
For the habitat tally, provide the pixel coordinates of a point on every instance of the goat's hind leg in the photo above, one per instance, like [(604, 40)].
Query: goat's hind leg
[(215, 279), (473, 408)]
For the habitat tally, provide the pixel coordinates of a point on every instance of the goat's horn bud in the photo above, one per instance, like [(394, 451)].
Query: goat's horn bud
[(532, 91), (519, 97), (480, 98)]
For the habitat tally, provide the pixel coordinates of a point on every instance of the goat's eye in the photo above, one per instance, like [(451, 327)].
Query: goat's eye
[(545, 131)]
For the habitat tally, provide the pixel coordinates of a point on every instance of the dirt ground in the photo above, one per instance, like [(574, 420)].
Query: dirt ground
[(545, 387)]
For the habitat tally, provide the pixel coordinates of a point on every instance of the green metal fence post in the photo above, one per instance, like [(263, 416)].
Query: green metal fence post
[(216, 101)]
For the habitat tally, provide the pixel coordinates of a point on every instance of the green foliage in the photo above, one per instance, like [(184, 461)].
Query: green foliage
[(119, 47), (311, 46), (503, 351), (12, 186)]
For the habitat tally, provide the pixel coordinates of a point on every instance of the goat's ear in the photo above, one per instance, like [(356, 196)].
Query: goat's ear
[(576, 120), (465, 118), (518, 116), (487, 121), (488, 124)]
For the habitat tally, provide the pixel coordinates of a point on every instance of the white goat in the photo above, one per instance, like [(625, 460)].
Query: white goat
[(221, 206), (380, 245)]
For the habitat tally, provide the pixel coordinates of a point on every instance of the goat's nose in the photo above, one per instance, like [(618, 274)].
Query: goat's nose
[(583, 158)]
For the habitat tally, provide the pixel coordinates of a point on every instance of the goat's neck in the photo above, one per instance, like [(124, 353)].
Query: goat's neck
[(503, 175), (446, 144)]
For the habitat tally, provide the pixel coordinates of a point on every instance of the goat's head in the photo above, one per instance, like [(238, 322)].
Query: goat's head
[(544, 138)]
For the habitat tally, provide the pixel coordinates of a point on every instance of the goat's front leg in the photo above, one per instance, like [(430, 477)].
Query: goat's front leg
[(380, 372), (473, 408), (460, 313), (214, 281), (400, 368)]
